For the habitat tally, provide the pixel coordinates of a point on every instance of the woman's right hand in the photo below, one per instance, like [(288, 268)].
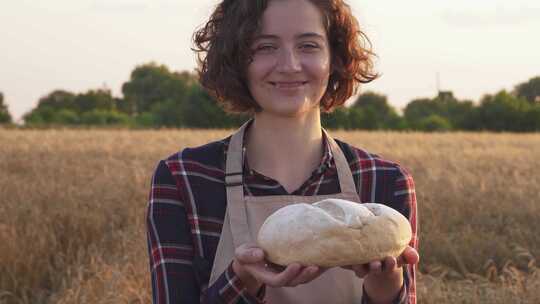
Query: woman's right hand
[(251, 267)]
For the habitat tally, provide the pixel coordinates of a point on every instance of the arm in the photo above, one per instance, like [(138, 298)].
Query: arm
[(230, 288), (378, 287), (171, 252), (405, 198), (170, 247)]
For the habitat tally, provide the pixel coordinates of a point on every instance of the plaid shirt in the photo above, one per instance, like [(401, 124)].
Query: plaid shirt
[(187, 206)]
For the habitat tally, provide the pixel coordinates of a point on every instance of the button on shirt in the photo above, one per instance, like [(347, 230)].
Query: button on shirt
[(187, 205)]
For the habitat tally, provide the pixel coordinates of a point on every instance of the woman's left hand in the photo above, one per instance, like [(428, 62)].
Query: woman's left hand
[(383, 279), (387, 265)]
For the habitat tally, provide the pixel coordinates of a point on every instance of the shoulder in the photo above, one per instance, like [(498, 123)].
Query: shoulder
[(209, 156), (360, 160), (380, 180)]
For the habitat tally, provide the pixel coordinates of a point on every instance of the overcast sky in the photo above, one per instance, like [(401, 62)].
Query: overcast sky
[(476, 47)]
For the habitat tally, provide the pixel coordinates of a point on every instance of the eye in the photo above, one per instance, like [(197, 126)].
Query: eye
[(265, 48), (309, 46)]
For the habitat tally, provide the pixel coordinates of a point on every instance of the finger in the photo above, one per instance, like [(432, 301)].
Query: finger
[(375, 267), (247, 254), (280, 279), (389, 265), (261, 271), (306, 275), (409, 256), (360, 270)]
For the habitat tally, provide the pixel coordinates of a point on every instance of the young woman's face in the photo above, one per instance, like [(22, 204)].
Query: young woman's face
[(291, 63)]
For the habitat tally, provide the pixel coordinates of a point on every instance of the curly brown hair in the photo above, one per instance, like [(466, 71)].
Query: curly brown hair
[(223, 47)]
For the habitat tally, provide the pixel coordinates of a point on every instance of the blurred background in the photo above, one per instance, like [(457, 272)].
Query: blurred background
[(94, 93), (459, 65)]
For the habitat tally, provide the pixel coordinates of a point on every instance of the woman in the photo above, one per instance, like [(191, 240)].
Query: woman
[(282, 61)]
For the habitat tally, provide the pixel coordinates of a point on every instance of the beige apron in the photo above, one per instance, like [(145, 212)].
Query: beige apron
[(245, 215)]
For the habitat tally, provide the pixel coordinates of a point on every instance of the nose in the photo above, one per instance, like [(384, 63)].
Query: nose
[(288, 61)]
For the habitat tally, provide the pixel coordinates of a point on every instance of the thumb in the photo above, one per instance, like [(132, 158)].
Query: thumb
[(409, 256), (249, 254)]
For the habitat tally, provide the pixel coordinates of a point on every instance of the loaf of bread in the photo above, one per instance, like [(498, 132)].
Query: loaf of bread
[(333, 232)]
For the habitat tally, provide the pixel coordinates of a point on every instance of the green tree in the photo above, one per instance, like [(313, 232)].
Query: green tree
[(151, 83), (356, 118), (455, 112), (66, 117), (377, 112), (100, 99), (396, 122), (502, 112), (200, 110), (101, 117), (420, 109), (374, 100), (532, 118), (146, 120), (39, 116), (337, 119), (64, 108), (529, 90), (58, 99), (434, 123), (5, 117), (167, 113), (46, 111)]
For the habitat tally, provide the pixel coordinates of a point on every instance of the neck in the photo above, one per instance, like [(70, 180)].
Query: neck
[(286, 147)]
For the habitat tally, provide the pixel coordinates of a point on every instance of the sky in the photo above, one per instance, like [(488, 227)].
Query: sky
[(472, 48)]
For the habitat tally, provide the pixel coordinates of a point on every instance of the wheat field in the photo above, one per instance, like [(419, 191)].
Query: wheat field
[(73, 202)]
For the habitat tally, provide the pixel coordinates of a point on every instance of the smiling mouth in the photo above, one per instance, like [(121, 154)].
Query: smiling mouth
[(288, 85)]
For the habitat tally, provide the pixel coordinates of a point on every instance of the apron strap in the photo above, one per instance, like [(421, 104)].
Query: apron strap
[(235, 187), (346, 181)]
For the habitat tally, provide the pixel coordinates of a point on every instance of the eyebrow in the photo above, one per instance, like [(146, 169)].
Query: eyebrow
[(303, 35)]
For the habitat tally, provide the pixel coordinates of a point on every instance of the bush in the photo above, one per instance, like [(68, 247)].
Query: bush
[(5, 118), (338, 119), (502, 112), (167, 113), (532, 118), (101, 117), (40, 116), (356, 118), (146, 119), (66, 117), (434, 123)]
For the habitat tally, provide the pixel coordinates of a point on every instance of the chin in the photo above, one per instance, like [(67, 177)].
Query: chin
[(290, 111)]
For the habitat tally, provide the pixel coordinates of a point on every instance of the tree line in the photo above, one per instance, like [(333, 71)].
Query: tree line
[(156, 97)]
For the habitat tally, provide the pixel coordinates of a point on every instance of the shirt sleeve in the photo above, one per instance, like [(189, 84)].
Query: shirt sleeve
[(228, 288), (405, 201), (170, 247), (171, 252)]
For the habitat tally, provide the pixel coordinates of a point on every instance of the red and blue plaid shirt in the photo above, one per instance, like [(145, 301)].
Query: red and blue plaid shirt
[(187, 205)]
